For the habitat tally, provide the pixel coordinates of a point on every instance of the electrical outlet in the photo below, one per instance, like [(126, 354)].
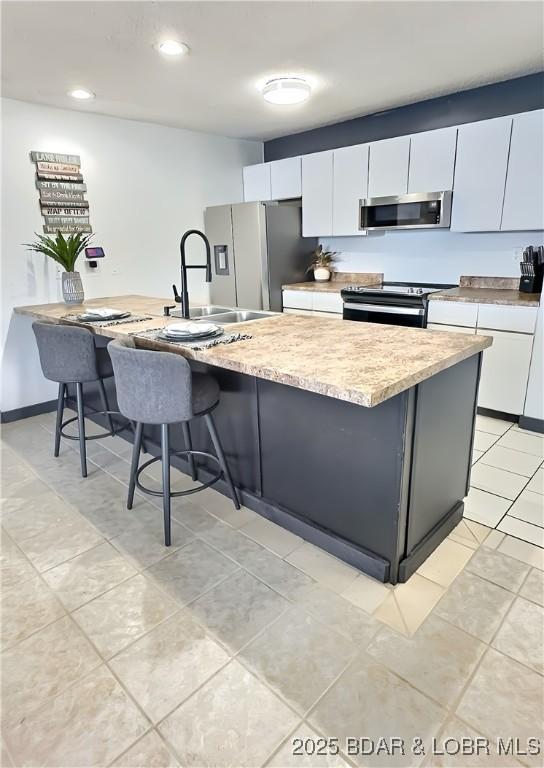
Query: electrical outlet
[(518, 254)]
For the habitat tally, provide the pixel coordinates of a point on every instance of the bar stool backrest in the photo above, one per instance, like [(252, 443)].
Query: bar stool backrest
[(152, 387), (67, 353)]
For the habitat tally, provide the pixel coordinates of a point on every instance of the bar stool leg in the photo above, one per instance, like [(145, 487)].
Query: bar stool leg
[(165, 448), (136, 448), (60, 414), (81, 424), (105, 406), (189, 447), (142, 444), (221, 456)]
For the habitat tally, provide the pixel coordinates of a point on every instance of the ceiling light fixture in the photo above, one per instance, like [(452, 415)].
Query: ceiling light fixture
[(82, 94), (173, 48), (286, 90)]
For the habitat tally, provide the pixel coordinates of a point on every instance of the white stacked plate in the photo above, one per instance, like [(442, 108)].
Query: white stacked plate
[(190, 331), (103, 313)]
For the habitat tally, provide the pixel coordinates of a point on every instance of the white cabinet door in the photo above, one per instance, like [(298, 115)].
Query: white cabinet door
[(317, 175), (505, 371), (432, 160), (499, 318), (450, 328), (453, 312), (524, 193), (328, 301), (298, 299), (480, 175), (285, 178), (534, 402), (350, 185), (388, 167), (257, 182)]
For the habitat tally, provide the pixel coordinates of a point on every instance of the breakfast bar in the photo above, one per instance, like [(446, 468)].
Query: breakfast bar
[(358, 437)]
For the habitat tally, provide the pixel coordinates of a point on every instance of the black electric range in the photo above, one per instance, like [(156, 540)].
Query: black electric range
[(389, 302)]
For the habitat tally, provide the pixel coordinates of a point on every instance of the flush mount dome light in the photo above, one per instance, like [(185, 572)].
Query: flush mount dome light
[(172, 48), (81, 93), (286, 90)]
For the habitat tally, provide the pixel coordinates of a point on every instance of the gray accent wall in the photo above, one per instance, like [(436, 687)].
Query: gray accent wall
[(522, 94)]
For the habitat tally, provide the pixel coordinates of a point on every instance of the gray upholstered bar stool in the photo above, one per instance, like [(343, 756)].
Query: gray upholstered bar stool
[(160, 388), (68, 355)]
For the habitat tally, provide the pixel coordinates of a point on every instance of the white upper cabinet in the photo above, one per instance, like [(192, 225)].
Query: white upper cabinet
[(432, 160), (524, 193), (257, 182), (317, 182), (480, 175), (285, 178), (350, 184), (388, 167)]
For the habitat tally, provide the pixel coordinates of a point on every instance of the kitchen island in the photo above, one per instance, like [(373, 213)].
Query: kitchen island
[(356, 436)]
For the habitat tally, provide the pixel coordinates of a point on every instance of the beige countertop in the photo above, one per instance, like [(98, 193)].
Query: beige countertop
[(338, 281), (504, 296), (363, 363), (332, 286)]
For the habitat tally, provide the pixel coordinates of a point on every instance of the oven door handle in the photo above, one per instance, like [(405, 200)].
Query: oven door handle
[(384, 309)]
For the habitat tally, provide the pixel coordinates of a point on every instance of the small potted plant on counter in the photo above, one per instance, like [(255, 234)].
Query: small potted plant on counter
[(65, 252), (322, 264)]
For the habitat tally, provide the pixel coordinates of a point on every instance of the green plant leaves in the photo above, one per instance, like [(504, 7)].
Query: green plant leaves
[(64, 251)]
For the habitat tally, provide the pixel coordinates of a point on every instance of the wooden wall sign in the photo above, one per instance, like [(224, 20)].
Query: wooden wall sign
[(62, 192)]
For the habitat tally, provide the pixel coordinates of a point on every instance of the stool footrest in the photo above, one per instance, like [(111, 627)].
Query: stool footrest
[(106, 433), (189, 491)]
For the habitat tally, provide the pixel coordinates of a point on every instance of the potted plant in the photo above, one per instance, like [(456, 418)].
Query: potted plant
[(65, 252), (322, 264)]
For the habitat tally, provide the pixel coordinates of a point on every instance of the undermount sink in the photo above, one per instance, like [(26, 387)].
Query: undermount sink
[(240, 316), (209, 310)]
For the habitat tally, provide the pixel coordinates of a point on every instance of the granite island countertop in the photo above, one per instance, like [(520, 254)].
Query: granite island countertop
[(362, 363)]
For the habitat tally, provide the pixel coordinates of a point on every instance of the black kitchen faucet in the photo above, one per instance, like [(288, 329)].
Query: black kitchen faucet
[(184, 298)]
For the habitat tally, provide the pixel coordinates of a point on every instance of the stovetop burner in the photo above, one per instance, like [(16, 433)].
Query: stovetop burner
[(390, 288)]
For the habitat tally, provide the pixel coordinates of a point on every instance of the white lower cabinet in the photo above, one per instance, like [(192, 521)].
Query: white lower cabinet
[(506, 363), (450, 328), (312, 303), (505, 371), (294, 311)]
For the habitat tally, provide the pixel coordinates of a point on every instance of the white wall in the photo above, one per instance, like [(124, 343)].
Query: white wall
[(433, 256), (146, 184)]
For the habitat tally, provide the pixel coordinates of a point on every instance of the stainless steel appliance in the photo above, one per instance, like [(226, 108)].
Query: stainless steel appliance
[(390, 303), (421, 210), (256, 248)]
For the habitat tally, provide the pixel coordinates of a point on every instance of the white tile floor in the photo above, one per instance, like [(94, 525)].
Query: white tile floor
[(507, 482), (242, 637)]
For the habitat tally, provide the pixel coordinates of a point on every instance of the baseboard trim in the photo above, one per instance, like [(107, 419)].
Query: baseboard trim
[(427, 546), (27, 411), (498, 414), (535, 425)]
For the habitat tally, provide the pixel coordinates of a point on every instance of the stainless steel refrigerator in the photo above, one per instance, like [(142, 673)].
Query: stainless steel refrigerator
[(256, 248)]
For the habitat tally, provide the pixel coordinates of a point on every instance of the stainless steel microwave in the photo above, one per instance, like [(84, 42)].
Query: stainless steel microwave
[(421, 210)]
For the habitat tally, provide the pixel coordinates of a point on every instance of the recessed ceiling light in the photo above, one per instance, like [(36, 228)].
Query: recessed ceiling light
[(172, 48), (81, 93), (286, 90)]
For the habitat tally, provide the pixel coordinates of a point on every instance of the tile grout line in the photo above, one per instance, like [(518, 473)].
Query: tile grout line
[(196, 536)]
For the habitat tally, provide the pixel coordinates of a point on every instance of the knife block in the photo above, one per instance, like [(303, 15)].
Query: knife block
[(533, 283)]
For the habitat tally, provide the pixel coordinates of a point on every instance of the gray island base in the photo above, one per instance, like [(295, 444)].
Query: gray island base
[(379, 487), (356, 436)]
